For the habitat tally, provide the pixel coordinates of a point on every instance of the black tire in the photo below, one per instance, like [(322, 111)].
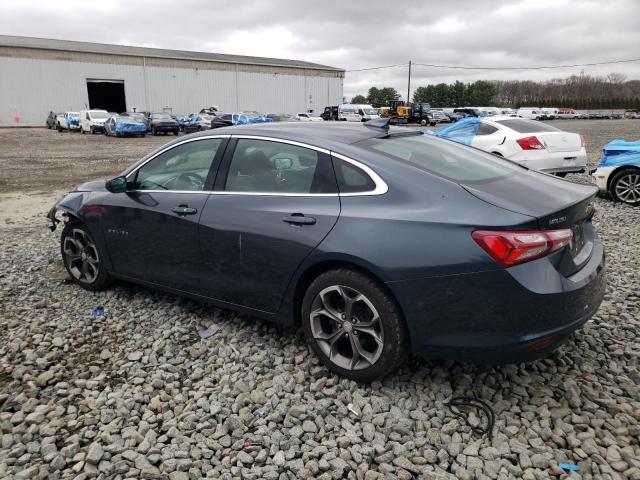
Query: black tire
[(176, 133), (59, 128), (142, 135), (92, 130), (423, 122), (78, 248), (627, 180), (153, 132), (392, 346)]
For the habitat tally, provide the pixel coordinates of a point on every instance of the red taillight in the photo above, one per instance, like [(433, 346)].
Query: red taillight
[(530, 143), (582, 144), (512, 247)]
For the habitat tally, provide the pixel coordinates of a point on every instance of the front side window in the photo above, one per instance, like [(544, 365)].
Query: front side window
[(442, 157), (263, 166), (183, 167)]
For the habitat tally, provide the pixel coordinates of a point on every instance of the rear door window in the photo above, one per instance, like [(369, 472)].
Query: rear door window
[(352, 179), (264, 166), (486, 129), (443, 157)]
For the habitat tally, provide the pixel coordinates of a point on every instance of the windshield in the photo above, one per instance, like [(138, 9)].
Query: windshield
[(99, 114), (370, 111), (522, 125), (443, 158)]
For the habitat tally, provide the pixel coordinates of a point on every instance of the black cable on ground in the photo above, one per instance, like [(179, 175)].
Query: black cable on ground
[(471, 402)]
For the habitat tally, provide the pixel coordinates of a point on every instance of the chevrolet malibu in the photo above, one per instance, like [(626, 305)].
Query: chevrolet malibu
[(378, 242)]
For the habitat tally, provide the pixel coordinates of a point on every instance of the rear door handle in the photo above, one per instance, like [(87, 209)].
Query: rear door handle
[(184, 210), (299, 219)]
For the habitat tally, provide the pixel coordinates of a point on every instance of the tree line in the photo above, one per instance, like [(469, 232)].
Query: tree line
[(582, 92)]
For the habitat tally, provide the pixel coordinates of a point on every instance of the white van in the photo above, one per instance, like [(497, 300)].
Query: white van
[(357, 113), (549, 113), (92, 121), (530, 113)]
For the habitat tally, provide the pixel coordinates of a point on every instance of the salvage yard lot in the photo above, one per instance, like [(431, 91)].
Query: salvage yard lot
[(137, 393)]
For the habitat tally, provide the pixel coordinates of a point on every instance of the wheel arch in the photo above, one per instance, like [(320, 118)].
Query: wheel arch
[(314, 270), (617, 170)]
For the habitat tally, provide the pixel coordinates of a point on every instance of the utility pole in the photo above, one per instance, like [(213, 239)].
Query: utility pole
[(409, 84)]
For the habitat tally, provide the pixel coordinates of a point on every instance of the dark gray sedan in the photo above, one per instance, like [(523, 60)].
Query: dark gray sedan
[(376, 242)]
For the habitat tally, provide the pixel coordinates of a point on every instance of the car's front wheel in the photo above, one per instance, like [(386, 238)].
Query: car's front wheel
[(625, 186), (354, 325), (82, 257)]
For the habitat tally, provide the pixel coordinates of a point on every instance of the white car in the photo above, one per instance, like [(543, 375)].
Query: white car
[(92, 121), (534, 144), (307, 117)]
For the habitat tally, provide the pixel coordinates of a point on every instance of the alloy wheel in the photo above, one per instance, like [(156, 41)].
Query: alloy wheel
[(347, 327), (81, 256), (627, 188)]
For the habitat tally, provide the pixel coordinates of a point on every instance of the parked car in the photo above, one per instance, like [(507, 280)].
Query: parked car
[(632, 114), (566, 114), (163, 123), (52, 119), (468, 111), (549, 113), (530, 113), (440, 117), (281, 117), (454, 117), (356, 113), (307, 117), (196, 122), (92, 121), (68, 121), (325, 226), (222, 120), (212, 111), (121, 126), (138, 117), (618, 171), (533, 144)]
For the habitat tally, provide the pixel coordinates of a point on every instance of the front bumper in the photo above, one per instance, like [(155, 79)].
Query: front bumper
[(501, 316), (600, 177), (166, 128)]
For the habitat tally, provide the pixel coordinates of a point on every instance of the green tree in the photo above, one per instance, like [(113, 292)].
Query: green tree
[(359, 99), (380, 97)]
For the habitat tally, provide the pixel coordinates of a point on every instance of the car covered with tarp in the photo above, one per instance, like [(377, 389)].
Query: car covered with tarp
[(535, 145), (238, 118), (68, 121), (121, 126), (618, 171)]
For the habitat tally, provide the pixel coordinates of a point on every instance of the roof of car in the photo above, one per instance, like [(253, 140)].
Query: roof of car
[(308, 132)]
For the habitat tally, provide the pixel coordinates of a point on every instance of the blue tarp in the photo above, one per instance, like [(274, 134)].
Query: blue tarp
[(73, 120), (462, 131), (124, 127), (620, 152), (243, 119)]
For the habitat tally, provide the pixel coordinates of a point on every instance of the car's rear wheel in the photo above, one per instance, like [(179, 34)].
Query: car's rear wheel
[(82, 257), (353, 325), (625, 186)]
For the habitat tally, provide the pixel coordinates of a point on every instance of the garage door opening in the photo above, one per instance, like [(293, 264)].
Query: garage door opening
[(107, 95)]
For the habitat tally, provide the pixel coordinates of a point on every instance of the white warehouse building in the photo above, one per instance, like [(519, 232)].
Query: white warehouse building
[(41, 75)]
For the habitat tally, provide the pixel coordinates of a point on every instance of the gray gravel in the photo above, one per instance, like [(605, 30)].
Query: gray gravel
[(137, 394)]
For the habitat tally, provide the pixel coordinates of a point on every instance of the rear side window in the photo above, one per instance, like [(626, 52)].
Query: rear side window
[(486, 129), (352, 179), (522, 125), (443, 157)]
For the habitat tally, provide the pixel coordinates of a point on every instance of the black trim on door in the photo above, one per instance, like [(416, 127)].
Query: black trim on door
[(215, 165)]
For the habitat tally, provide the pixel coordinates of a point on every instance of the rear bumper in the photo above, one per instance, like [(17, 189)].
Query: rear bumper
[(501, 316), (553, 162), (600, 177)]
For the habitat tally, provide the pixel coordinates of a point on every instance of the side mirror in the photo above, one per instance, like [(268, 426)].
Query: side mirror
[(117, 185)]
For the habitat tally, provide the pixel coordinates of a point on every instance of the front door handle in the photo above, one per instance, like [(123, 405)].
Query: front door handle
[(183, 210), (299, 219)]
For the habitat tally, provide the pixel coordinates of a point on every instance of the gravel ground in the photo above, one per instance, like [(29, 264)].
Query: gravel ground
[(137, 394)]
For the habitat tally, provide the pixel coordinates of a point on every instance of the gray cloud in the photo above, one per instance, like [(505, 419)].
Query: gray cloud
[(355, 35)]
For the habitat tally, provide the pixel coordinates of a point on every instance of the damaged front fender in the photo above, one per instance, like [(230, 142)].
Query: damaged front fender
[(70, 205)]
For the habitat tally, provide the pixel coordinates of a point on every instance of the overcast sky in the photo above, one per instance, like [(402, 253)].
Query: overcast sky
[(359, 34)]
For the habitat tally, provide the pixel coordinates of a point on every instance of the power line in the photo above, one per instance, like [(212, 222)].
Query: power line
[(459, 67)]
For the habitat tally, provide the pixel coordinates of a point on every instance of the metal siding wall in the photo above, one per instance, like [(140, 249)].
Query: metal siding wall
[(32, 87)]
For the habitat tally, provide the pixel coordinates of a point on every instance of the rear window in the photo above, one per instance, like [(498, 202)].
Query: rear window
[(443, 157), (522, 125)]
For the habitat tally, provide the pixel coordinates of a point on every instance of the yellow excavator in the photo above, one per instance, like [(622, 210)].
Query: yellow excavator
[(399, 112)]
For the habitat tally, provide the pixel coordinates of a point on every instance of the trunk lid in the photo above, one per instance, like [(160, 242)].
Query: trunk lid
[(555, 203), (560, 141)]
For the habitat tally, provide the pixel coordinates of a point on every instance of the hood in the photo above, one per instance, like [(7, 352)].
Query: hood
[(91, 186), (535, 194)]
